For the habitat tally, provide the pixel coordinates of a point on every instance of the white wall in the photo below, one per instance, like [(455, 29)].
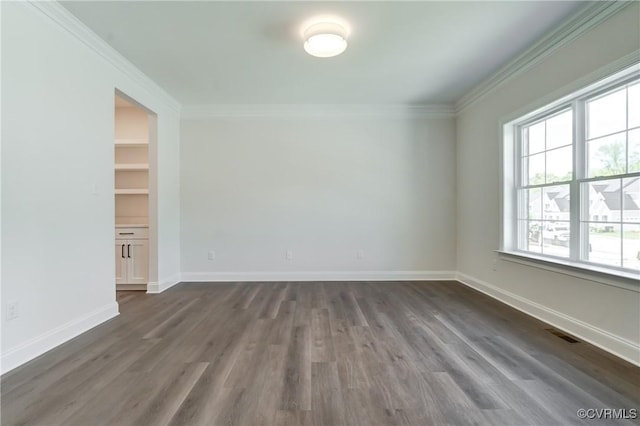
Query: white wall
[(322, 187), (57, 181), (167, 180), (607, 315)]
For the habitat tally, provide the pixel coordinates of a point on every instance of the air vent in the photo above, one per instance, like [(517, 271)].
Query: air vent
[(562, 335)]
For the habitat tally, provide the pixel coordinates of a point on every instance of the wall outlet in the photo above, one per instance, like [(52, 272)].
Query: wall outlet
[(360, 254), (494, 265), (13, 310), (288, 255), (211, 255)]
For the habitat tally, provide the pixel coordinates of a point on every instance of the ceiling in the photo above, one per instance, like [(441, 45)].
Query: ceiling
[(238, 52)]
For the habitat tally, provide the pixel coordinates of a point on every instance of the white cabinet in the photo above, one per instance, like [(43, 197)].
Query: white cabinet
[(121, 262), (132, 257), (138, 265)]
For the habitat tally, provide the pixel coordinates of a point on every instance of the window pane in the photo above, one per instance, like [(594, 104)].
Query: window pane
[(634, 151), (560, 164), (556, 238), (535, 236), (560, 130), (607, 114), (604, 200), (605, 244), (534, 204), (631, 200), (522, 203), (634, 105), (535, 138), (607, 156), (535, 169), (531, 236), (556, 203), (631, 247), (530, 204)]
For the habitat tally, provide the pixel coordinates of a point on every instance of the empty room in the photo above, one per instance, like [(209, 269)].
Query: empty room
[(320, 213)]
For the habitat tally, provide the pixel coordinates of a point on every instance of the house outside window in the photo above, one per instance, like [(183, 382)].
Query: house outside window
[(571, 179)]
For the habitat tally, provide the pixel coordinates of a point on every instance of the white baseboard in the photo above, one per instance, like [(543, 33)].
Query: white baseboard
[(38, 345), (159, 287), (609, 342), (319, 276), (128, 287)]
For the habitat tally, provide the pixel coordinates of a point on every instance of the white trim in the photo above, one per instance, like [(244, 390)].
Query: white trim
[(66, 20), (609, 342), (577, 87), (195, 112), (574, 27), (318, 276), (128, 287), (159, 287), (153, 287), (572, 96), (585, 271), (37, 346)]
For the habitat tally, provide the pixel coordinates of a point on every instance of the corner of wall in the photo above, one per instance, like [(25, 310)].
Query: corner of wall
[(609, 342), (165, 284), (39, 345)]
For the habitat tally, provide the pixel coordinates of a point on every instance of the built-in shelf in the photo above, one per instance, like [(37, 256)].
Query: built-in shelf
[(132, 222), (132, 191), (132, 142), (132, 166), (131, 199)]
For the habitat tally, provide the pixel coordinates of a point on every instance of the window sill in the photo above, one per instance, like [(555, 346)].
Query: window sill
[(615, 278)]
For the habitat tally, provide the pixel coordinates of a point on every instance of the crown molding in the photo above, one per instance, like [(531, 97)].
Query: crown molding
[(629, 63), (66, 20), (195, 112), (574, 27)]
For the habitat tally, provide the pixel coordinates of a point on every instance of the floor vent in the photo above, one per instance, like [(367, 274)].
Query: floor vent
[(562, 335)]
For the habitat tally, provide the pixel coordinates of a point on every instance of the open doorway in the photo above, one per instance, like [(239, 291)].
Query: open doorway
[(134, 149)]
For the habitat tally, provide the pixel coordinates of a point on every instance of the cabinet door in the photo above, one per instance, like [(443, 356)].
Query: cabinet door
[(121, 261), (138, 265)]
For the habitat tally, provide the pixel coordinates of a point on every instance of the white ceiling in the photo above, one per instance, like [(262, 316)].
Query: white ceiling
[(240, 52)]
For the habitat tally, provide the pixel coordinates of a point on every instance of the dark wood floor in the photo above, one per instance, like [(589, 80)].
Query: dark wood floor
[(318, 353)]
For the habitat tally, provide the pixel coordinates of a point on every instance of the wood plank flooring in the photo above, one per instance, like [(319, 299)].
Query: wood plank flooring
[(356, 353)]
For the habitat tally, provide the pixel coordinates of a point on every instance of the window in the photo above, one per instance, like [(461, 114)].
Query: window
[(572, 179)]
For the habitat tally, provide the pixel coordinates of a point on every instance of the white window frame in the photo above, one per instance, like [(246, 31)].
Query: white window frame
[(511, 131)]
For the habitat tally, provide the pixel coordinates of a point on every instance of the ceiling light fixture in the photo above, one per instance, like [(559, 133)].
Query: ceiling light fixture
[(325, 39)]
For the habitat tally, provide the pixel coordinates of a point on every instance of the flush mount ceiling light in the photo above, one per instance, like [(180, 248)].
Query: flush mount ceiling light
[(325, 39)]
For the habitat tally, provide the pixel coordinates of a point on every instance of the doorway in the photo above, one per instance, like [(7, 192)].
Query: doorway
[(135, 130)]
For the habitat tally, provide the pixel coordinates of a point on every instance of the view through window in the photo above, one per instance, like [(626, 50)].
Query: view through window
[(577, 179)]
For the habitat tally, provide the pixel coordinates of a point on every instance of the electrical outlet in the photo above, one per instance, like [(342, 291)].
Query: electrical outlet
[(211, 255), (288, 255), (360, 254), (13, 310), (494, 266)]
